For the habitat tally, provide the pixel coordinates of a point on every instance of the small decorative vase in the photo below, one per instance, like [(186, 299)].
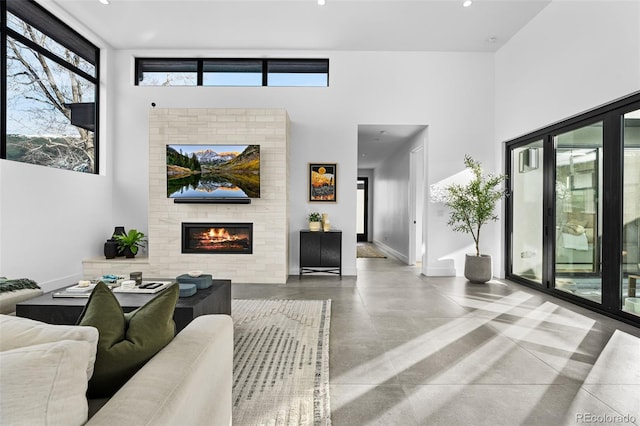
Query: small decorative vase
[(326, 225), (111, 249), (314, 226)]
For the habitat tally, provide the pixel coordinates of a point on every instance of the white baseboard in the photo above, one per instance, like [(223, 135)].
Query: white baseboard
[(391, 252), (60, 282)]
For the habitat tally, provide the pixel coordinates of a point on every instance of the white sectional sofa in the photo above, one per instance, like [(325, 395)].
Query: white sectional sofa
[(9, 299), (189, 382)]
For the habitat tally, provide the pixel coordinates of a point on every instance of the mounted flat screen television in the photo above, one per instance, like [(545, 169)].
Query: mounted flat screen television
[(213, 172)]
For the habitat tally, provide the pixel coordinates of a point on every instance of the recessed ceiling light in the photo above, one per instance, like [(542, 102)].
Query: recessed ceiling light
[(467, 3), (104, 1), (321, 2)]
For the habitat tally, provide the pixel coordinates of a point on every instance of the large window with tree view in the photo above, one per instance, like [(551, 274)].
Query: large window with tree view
[(49, 90)]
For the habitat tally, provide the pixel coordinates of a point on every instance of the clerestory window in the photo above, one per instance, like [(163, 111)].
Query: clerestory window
[(236, 72)]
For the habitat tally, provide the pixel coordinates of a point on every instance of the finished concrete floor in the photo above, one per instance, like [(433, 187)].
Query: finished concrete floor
[(410, 350)]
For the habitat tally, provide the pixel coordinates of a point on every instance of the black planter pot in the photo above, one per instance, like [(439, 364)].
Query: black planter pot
[(111, 249), (119, 230), (128, 253)]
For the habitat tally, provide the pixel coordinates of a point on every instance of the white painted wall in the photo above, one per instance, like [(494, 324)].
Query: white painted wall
[(392, 215), (417, 200), (448, 91), (442, 90), (391, 206), (572, 57), (52, 219)]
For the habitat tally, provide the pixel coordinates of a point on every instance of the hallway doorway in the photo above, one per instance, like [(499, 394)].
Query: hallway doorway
[(392, 157), (362, 220)]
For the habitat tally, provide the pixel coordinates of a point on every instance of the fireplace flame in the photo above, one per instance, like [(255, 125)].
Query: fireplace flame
[(219, 234), (224, 239)]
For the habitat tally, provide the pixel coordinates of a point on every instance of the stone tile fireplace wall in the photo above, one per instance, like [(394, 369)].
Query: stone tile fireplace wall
[(268, 262)]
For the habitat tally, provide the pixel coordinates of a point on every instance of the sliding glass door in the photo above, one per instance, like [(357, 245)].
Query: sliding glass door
[(526, 201), (578, 189), (631, 214), (573, 215)]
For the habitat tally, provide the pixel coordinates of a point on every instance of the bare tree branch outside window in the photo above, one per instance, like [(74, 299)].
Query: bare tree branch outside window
[(39, 92)]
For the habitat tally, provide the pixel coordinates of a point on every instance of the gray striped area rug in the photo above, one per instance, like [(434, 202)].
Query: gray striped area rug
[(281, 362)]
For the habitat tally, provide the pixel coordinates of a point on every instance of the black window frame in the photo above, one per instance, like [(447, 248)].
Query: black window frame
[(611, 115), (44, 21), (298, 65)]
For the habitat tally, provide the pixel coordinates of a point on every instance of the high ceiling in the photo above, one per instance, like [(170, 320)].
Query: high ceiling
[(394, 25), (377, 142), (256, 26)]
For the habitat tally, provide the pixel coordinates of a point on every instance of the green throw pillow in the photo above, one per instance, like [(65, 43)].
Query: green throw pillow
[(127, 341)]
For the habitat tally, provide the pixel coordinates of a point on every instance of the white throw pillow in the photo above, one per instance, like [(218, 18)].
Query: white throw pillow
[(17, 332), (43, 385)]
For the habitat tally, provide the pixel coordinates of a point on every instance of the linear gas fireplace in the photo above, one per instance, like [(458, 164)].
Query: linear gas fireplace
[(217, 238)]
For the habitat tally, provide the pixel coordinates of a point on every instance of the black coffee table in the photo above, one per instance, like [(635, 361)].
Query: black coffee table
[(58, 310)]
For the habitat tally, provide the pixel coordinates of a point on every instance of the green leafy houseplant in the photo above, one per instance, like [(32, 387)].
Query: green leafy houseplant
[(472, 205), (314, 221), (132, 240), (314, 217)]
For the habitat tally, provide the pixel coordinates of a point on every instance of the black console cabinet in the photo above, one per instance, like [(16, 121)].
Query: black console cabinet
[(321, 252)]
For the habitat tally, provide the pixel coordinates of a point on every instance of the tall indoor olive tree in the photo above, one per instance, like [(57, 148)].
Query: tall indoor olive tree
[(473, 204)]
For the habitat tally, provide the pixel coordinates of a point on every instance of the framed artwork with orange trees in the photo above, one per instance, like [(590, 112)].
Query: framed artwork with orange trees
[(323, 182)]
